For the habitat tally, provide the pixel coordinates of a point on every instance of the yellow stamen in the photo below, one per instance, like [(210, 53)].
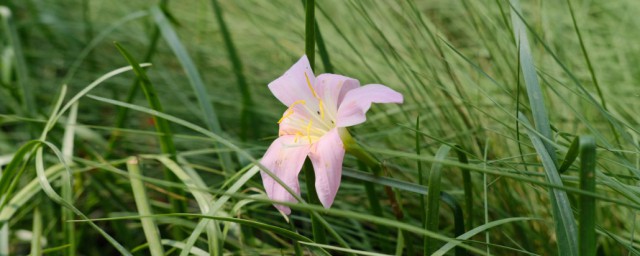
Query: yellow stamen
[(309, 131), (289, 111), (321, 106), (298, 134), (311, 87)]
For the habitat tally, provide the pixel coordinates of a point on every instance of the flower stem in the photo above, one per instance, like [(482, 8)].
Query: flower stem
[(352, 147), (310, 32)]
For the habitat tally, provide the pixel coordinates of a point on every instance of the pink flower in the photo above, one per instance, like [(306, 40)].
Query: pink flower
[(319, 108)]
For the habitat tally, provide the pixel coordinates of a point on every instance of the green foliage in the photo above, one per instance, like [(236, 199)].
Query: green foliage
[(206, 116)]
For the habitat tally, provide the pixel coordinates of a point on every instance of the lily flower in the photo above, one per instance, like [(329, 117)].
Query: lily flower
[(319, 109)]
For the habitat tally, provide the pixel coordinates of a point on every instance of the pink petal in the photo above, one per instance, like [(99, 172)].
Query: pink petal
[(327, 155), (357, 102), (284, 158), (332, 89), (292, 85)]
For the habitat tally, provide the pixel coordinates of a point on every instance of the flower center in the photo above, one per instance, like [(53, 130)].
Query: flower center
[(308, 119)]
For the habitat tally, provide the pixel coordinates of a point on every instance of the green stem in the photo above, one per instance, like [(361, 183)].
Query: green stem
[(247, 103), (352, 147), (310, 33)]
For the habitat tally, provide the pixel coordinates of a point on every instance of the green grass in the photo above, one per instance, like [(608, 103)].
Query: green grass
[(538, 100)]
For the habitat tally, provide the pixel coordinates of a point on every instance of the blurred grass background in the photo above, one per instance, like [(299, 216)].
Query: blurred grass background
[(461, 70)]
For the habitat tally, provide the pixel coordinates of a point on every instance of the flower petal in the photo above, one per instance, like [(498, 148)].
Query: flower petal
[(327, 155), (293, 84), (332, 89), (357, 102), (284, 158)]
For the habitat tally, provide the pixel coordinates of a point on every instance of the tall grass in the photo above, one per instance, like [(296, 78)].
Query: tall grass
[(538, 100)]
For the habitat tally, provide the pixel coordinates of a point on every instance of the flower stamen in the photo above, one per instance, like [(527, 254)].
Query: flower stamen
[(309, 131), (289, 111)]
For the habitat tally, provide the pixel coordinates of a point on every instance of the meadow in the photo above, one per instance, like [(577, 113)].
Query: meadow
[(138, 127)]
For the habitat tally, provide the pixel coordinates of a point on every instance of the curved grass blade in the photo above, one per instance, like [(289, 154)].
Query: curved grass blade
[(534, 92), (140, 196), (162, 126), (587, 204), (433, 199), (477, 230), (69, 228), (53, 195), (210, 116), (13, 171), (180, 245), (566, 231)]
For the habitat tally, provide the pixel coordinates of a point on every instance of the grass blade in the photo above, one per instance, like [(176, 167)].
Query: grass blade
[(162, 126), (26, 91), (140, 195), (587, 204), (433, 199), (571, 155), (48, 190), (309, 32), (536, 98), (36, 233), (196, 186), (69, 228), (468, 185), (566, 231), (210, 116), (247, 103), (477, 230)]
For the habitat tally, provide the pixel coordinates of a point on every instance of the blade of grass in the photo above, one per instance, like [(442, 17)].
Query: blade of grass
[(53, 195), (36, 233), (210, 116), (144, 209), (26, 194), (477, 230), (133, 91), (69, 228), (566, 231), (26, 89), (246, 116), (571, 155), (587, 204), (162, 126), (534, 91), (309, 32), (433, 200), (4, 229), (197, 187), (423, 205), (180, 245), (467, 184), (14, 171), (594, 79)]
